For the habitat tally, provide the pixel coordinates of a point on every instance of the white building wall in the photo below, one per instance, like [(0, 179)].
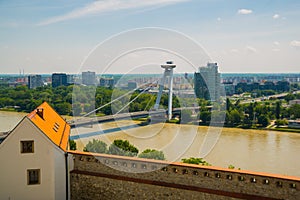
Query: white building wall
[(14, 166), (60, 174)]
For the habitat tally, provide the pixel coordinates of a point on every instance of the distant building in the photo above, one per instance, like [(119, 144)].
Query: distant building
[(131, 85), (292, 102), (89, 78), (207, 82), (70, 79), (34, 160), (106, 82), (294, 124), (59, 79), (200, 87), (35, 81)]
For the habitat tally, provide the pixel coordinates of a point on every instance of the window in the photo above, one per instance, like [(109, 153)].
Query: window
[(27, 146), (33, 176)]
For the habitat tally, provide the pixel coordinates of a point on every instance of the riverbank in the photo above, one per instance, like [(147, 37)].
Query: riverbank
[(20, 115)]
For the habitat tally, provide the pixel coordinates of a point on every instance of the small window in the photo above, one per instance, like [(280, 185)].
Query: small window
[(144, 166), (164, 169), (27, 146), (33, 176), (229, 177)]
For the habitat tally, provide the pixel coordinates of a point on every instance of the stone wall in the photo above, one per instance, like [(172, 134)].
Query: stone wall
[(100, 176)]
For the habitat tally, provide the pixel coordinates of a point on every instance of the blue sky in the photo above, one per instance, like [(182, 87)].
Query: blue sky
[(241, 35)]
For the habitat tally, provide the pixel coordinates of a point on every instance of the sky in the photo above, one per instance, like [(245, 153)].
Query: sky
[(256, 36)]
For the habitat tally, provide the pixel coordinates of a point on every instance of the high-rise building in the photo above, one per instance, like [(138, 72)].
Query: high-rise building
[(34, 81), (70, 79), (106, 82), (59, 79), (88, 78), (208, 82)]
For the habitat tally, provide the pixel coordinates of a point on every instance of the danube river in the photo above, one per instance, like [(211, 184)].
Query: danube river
[(261, 151)]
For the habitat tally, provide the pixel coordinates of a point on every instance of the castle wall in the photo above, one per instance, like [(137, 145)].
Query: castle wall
[(101, 176)]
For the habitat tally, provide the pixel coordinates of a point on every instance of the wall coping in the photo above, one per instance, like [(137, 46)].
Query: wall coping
[(179, 164)]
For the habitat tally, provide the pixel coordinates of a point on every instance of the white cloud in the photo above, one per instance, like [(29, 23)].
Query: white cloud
[(276, 16), (105, 6), (276, 50), (219, 19), (244, 11), (295, 43), (234, 50), (276, 43), (250, 49)]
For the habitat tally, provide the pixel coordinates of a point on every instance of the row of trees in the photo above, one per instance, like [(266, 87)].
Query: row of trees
[(252, 114), (77, 100), (28, 99), (196, 161), (122, 148)]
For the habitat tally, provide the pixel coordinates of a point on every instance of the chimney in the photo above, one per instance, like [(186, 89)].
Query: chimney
[(40, 112)]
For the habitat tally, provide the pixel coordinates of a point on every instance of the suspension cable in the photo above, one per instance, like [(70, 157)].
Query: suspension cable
[(95, 110), (133, 99)]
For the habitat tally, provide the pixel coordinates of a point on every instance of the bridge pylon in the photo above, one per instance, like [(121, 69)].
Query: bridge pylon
[(168, 73)]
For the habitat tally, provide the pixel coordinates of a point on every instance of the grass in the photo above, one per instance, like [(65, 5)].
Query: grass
[(294, 130), (8, 109)]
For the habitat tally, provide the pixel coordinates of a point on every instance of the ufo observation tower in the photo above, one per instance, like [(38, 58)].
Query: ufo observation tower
[(168, 74)]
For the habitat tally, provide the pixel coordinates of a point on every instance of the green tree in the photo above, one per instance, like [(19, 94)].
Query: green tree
[(289, 97), (295, 111), (281, 122), (205, 116), (73, 145), (231, 167), (250, 110), (63, 108), (239, 91), (263, 120), (234, 117), (152, 154), (122, 148), (197, 161), (6, 101), (228, 104), (278, 109), (96, 146)]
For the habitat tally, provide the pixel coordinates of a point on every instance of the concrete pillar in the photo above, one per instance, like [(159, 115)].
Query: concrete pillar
[(169, 66)]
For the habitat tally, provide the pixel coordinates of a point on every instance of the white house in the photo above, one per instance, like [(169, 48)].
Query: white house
[(34, 163)]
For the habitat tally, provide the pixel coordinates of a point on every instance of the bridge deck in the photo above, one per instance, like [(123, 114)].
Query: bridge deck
[(121, 116)]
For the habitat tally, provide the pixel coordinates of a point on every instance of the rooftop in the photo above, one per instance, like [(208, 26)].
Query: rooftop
[(51, 124)]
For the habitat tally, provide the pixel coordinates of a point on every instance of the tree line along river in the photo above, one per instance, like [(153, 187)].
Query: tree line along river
[(256, 150)]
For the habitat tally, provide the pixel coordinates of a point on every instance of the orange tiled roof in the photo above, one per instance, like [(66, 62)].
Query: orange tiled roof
[(51, 124)]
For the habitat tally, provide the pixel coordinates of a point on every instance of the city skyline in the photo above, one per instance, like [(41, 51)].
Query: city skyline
[(241, 36)]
